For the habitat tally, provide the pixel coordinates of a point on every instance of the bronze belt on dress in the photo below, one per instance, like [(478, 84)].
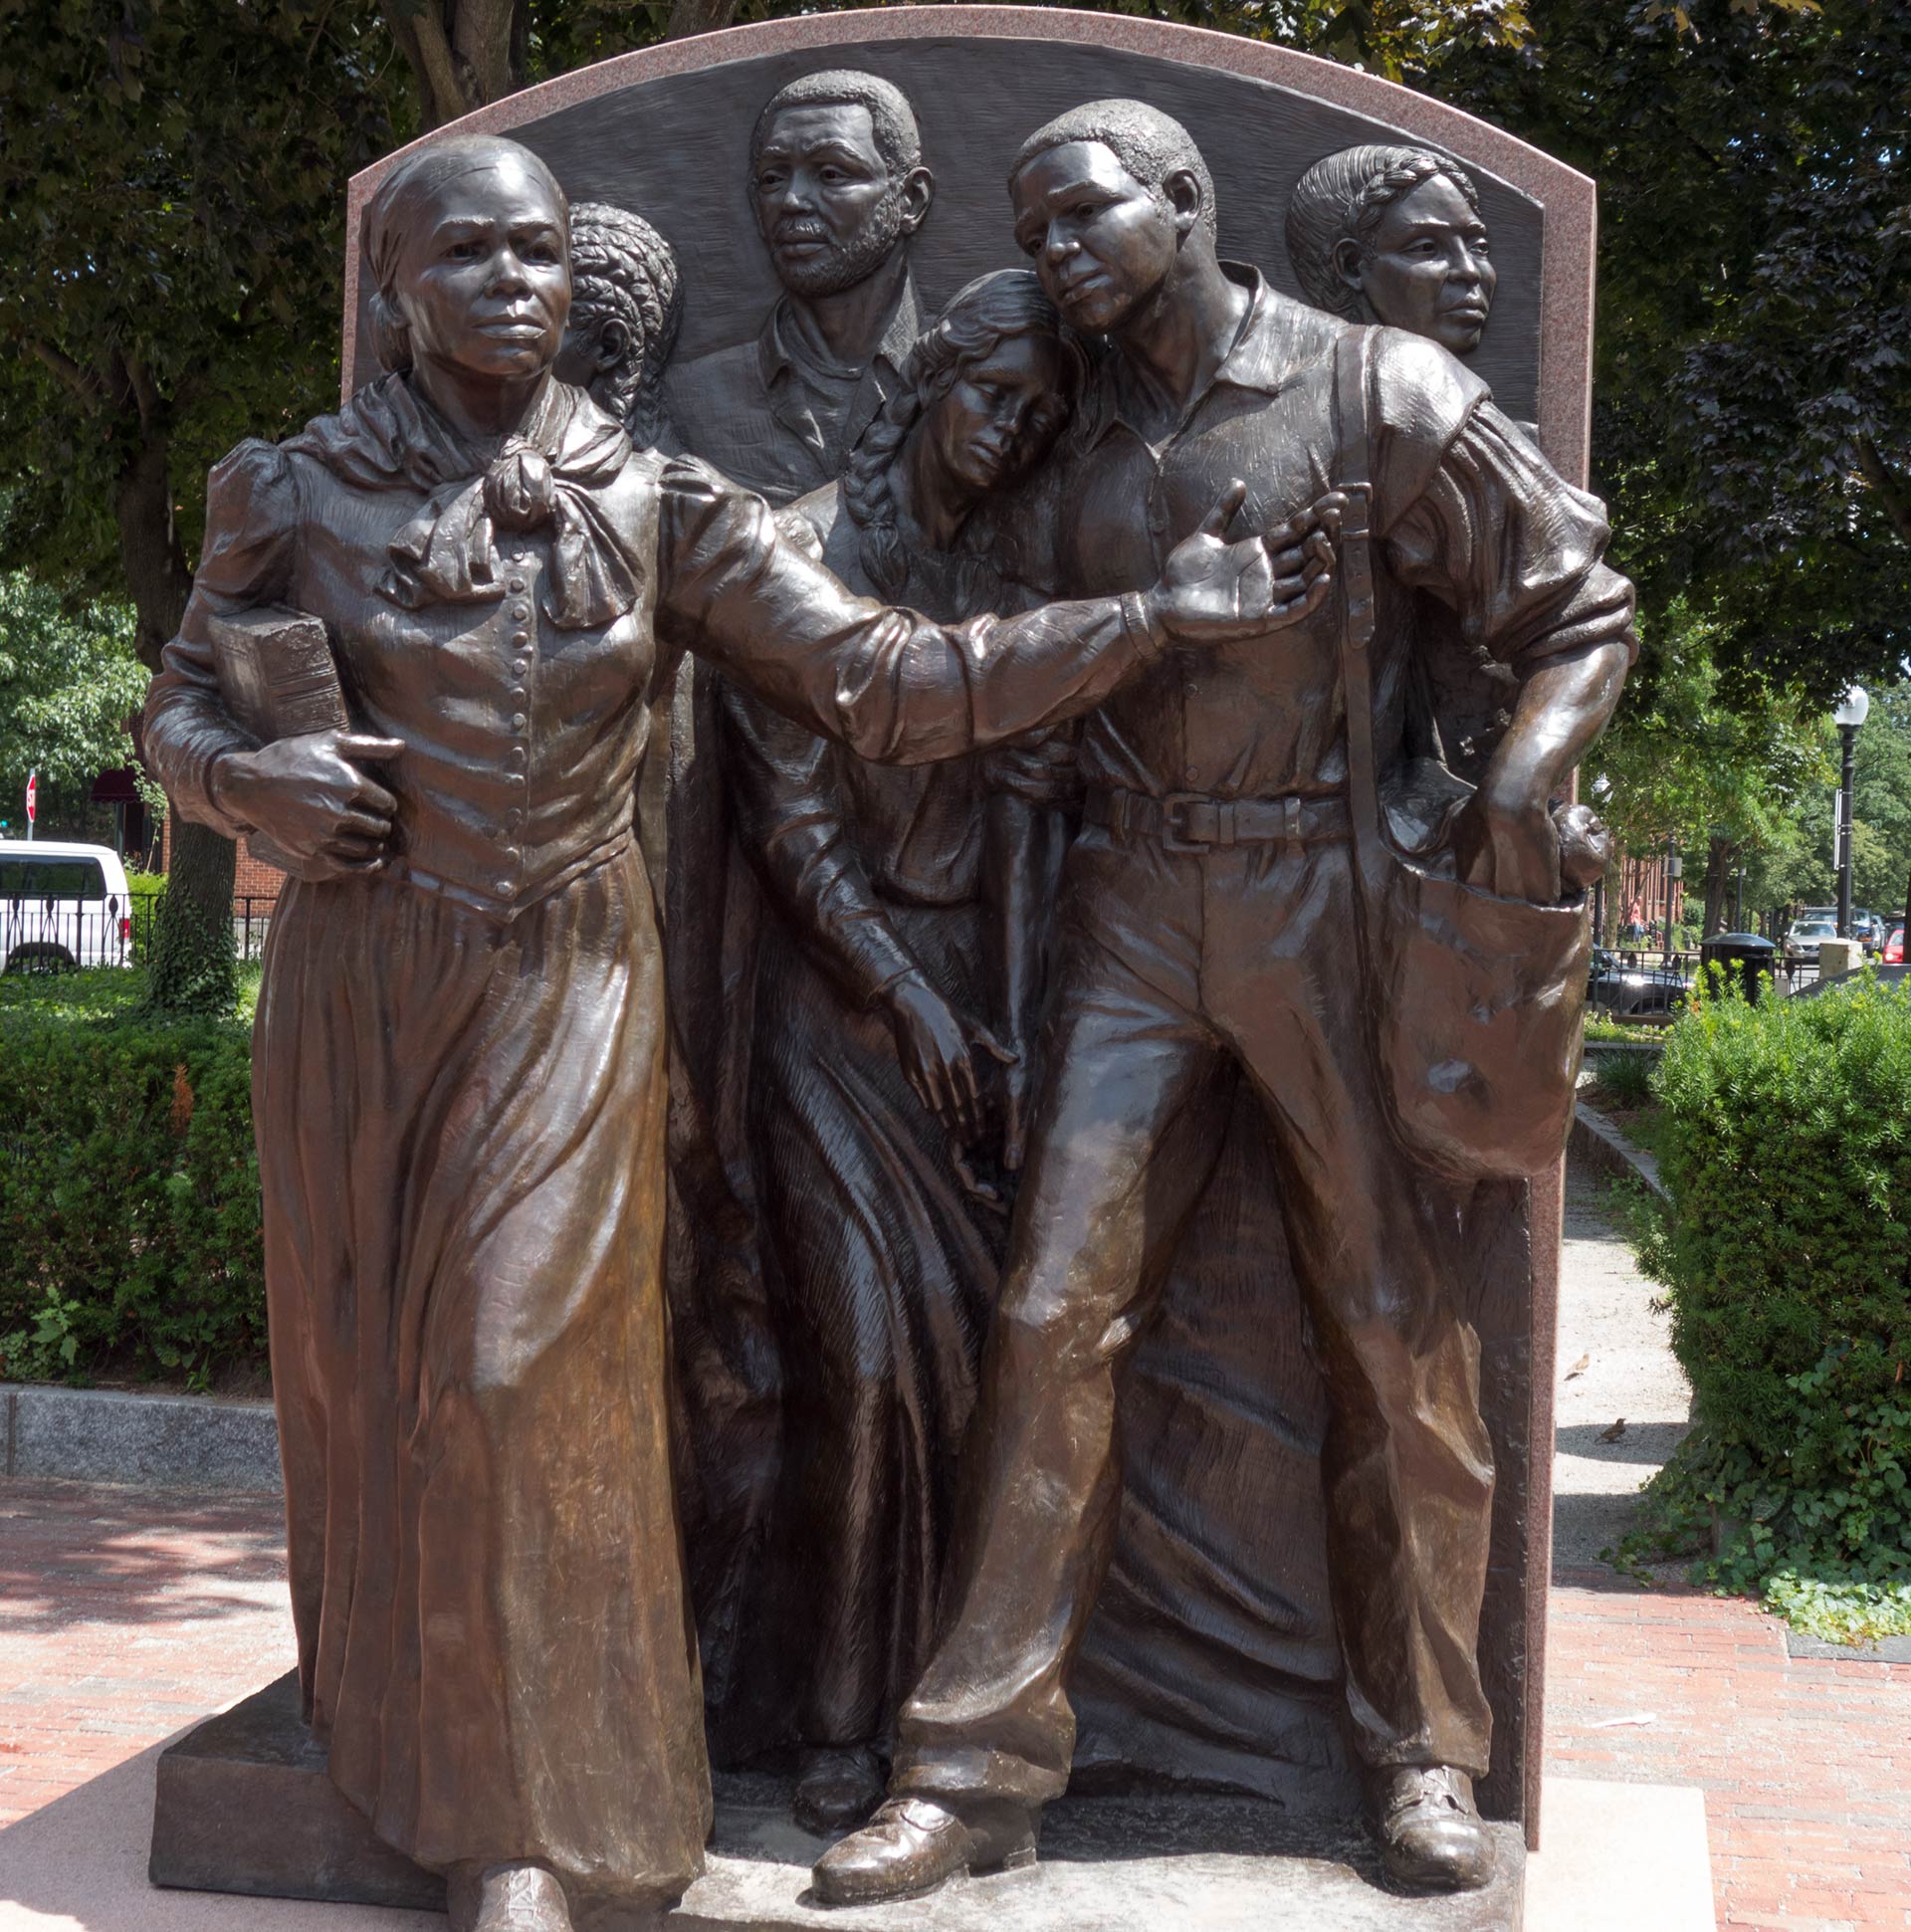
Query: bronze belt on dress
[(1192, 821)]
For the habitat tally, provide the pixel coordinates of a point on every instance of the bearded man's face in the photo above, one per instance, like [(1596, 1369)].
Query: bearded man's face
[(826, 202)]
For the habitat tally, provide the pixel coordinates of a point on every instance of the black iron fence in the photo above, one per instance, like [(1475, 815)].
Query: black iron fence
[(56, 934)]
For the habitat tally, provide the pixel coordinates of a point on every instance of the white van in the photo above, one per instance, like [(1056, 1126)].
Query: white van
[(63, 906)]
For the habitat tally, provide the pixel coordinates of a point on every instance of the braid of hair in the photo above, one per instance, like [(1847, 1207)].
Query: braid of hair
[(868, 495), (1379, 192), (1342, 198), (624, 270)]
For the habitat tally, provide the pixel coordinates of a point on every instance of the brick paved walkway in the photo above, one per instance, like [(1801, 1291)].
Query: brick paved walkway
[(125, 1615), (1805, 1763)]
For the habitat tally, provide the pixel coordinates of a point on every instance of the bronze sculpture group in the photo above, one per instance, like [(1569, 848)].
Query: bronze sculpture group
[(1027, 644)]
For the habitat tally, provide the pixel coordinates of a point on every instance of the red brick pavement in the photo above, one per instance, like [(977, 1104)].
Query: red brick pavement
[(1806, 1765), (125, 1614)]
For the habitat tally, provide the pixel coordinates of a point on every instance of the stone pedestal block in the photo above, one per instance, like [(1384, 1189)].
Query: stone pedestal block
[(1839, 956), (244, 1806)]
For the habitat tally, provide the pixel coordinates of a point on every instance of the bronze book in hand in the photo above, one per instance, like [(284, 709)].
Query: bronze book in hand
[(279, 678)]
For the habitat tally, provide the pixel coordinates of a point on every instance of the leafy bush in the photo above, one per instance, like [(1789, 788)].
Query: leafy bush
[(1627, 1077), (128, 1186), (1598, 1026), (1786, 1145)]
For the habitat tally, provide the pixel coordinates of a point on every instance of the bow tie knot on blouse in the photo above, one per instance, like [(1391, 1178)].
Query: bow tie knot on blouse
[(519, 492), (554, 476)]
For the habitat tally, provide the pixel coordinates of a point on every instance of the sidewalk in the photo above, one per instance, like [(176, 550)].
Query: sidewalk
[(126, 1616), (1805, 1763)]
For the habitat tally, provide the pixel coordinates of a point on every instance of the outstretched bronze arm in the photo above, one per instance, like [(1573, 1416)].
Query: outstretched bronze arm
[(898, 688)]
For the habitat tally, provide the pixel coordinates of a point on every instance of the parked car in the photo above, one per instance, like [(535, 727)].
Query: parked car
[(1894, 947), (1802, 941), (63, 906), (1629, 990)]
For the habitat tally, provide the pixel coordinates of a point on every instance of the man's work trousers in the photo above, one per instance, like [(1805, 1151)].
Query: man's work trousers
[(1175, 967)]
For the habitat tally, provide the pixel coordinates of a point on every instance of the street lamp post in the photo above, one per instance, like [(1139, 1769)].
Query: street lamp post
[(1674, 867), (1850, 714)]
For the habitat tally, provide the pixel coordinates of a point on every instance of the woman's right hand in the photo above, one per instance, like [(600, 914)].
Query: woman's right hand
[(1213, 591), (308, 797), (936, 1046)]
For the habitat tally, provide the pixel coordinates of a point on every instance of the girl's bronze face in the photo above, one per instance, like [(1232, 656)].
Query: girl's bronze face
[(485, 282), (1427, 267), (1001, 414)]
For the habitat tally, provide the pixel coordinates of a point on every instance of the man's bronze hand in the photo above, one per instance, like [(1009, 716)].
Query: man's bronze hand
[(1508, 846), (1213, 591), (309, 795)]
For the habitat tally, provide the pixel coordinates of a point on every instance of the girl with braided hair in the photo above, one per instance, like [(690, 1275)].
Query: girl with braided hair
[(1394, 235), (907, 911), (626, 305)]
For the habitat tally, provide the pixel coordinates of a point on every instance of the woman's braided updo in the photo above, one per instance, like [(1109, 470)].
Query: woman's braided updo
[(1343, 198), (991, 310), (623, 271)]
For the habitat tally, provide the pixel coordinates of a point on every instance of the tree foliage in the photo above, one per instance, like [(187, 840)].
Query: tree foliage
[(1753, 426), (172, 239), (171, 242), (69, 682)]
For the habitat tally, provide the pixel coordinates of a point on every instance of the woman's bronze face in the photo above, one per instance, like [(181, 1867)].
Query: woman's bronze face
[(1425, 267), (484, 284), (1001, 413)]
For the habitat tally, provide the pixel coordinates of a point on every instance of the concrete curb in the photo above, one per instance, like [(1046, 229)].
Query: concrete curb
[(1600, 1144), (165, 1441)]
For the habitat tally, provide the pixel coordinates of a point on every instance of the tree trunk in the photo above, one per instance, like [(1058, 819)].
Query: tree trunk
[(194, 964), (150, 555), (1720, 856), (462, 54), (193, 968)]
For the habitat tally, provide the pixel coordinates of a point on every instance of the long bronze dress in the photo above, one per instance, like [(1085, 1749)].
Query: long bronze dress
[(881, 1266), (459, 1085)]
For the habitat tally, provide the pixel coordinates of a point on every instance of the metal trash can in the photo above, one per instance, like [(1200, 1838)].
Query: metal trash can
[(1742, 958)]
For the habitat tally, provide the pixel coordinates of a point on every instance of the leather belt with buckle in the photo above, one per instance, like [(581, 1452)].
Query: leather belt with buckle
[(1191, 821)]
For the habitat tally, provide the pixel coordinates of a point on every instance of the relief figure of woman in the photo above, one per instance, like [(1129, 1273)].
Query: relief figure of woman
[(897, 983)]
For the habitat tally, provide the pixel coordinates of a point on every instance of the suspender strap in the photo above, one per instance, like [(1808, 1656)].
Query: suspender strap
[(1357, 580)]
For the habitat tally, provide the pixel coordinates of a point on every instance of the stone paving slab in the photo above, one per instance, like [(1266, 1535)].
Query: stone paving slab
[(1889, 1650), (1620, 1855)]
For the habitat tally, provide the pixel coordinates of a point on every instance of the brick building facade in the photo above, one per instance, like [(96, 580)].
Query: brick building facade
[(252, 878)]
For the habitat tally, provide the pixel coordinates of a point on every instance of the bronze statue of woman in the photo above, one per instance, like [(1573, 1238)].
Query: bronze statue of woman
[(459, 1087), (901, 962)]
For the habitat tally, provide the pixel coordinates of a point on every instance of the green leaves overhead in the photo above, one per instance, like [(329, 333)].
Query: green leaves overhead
[(171, 221), (1752, 418), (69, 682)]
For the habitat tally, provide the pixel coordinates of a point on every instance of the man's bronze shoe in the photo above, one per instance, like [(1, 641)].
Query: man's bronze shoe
[(1431, 1837), (913, 1845)]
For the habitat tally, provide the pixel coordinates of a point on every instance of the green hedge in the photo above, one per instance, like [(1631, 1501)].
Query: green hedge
[(128, 1186), (1786, 1145)]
